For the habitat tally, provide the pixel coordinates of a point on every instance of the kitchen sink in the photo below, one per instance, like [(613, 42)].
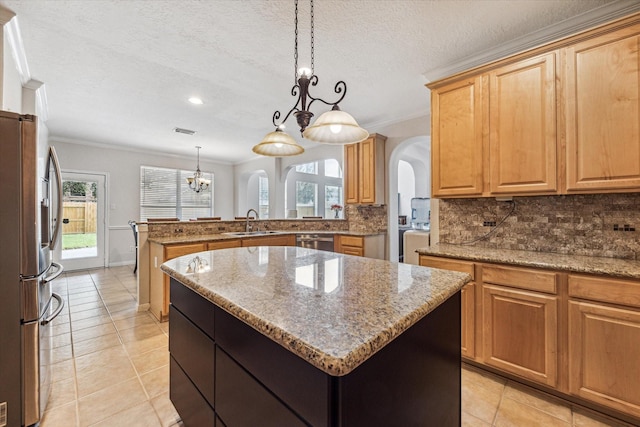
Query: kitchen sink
[(252, 233)]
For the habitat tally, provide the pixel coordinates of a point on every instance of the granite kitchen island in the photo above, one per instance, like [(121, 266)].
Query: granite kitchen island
[(288, 336)]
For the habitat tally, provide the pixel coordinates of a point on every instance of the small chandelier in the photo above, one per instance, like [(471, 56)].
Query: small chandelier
[(198, 183), (332, 127)]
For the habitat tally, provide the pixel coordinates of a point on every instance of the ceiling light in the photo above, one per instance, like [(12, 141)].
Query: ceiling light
[(198, 183), (333, 127), (278, 144), (196, 100)]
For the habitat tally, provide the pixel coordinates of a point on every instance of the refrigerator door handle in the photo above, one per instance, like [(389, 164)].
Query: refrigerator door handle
[(56, 165), (58, 272), (58, 310)]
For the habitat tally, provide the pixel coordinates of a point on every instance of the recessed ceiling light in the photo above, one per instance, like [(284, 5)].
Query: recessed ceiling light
[(196, 100)]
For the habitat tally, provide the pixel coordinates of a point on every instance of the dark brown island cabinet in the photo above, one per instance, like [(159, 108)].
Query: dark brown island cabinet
[(226, 373)]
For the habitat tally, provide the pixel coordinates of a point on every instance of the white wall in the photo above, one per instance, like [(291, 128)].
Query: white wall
[(401, 135), (406, 188), (123, 194)]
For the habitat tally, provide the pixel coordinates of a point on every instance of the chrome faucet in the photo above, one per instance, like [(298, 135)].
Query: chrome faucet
[(247, 227)]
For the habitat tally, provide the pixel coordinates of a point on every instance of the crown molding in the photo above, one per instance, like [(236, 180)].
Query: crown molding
[(132, 149), (5, 15), (14, 39), (570, 26)]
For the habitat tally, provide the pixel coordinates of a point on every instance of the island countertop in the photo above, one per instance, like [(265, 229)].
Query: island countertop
[(333, 310)]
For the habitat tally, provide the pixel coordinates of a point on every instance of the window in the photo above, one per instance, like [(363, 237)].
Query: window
[(263, 196), (313, 187), (332, 197), (311, 168), (164, 193), (306, 198)]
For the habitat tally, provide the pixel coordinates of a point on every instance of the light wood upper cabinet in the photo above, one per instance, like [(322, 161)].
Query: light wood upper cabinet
[(351, 173), (514, 108), (603, 111), (456, 139), (522, 125), (364, 171), (559, 119)]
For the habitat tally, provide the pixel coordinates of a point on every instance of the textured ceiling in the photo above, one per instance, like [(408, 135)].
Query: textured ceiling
[(120, 72)]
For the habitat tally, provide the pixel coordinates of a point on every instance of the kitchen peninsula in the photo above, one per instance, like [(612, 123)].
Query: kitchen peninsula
[(364, 236), (306, 337)]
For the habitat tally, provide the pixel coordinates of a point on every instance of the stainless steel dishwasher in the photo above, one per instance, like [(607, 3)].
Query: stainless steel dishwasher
[(323, 242)]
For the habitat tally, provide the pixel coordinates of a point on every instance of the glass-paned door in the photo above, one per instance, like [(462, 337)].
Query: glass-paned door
[(83, 234)]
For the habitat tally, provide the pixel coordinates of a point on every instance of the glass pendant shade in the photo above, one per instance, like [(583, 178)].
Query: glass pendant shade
[(335, 127), (278, 144)]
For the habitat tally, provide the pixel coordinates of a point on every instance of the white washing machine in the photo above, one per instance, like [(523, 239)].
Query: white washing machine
[(413, 240)]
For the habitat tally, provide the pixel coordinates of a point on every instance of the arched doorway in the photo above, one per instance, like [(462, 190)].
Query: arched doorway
[(416, 151)]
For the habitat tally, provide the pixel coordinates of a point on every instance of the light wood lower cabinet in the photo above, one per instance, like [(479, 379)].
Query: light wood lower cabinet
[(467, 300), (604, 342), (574, 334), (367, 246), (281, 240), (604, 355), (223, 244), (159, 282), (468, 322), (520, 332)]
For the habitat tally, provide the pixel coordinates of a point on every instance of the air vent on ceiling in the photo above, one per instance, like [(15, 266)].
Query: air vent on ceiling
[(3, 414), (185, 131)]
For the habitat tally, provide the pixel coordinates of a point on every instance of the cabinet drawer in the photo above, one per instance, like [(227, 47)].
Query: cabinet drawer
[(352, 241), (448, 264), (350, 250), (535, 280), (194, 351), (222, 244), (287, 240), (171, 252), (192, 407), (242, 401), (614, 291)]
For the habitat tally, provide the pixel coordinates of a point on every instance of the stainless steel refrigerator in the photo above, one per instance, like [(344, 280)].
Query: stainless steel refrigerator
[(30, 205)]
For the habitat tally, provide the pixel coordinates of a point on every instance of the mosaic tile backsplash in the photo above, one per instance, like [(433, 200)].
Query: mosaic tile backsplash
[(606, 225)]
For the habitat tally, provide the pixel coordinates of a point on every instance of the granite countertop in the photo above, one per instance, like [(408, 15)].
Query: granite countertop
[(333, 310), (199, 238), (622, 268)]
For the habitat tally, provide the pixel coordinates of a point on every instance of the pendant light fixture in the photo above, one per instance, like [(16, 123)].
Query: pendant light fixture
[(198, 183), (333, 127)]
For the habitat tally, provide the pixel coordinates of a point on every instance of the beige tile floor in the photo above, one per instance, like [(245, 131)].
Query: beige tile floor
[(111, 368)]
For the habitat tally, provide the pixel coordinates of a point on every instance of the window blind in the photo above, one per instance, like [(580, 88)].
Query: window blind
[(164, 193)]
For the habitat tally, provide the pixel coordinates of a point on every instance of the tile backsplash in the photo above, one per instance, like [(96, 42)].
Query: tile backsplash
[(367, 218), (605, 225)]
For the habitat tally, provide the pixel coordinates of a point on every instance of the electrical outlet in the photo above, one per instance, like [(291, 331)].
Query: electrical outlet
[(132, 248), (625, 227), (489, 224)]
